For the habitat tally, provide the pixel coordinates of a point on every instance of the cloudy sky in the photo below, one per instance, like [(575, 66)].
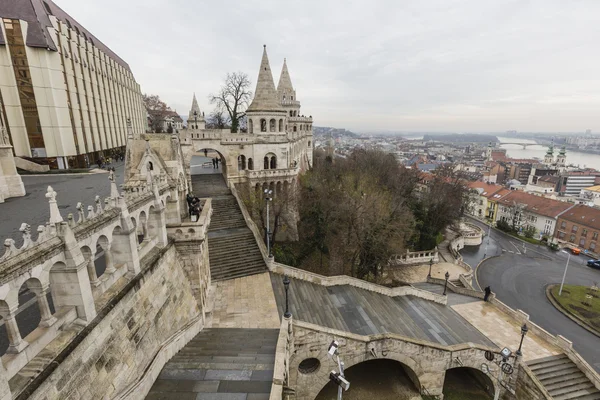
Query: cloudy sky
[(398, 65)]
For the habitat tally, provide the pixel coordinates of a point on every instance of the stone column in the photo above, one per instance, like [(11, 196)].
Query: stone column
[(110, 266), (157, 225), (47, 318), (91, 268), (16, 342)]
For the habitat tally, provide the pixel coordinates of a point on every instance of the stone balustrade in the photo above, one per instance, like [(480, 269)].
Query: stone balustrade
[(415, 257), (272, 173), (61, 263), (283, 350)]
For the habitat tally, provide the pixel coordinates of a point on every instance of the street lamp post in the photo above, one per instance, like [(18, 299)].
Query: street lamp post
[(430, 265), (268, 198), (524, 330), (286, 285), (565, 273), (446, 283)]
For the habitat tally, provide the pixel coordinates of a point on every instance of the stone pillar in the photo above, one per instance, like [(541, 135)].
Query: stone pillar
[(16, 344), (157, 225), (124, 245), (11, 184), (110, 265), (91, 268), (47, 318), (70, 282)]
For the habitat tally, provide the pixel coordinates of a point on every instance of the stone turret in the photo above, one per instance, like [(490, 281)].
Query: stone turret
[(265, 113), (195, 117), (286, 92)]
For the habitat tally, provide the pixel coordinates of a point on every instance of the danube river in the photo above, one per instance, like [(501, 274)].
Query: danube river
[(539, 151)]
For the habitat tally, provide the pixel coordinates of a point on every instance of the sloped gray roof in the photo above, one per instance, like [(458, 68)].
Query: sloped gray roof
[(265, 95), (36, 14)]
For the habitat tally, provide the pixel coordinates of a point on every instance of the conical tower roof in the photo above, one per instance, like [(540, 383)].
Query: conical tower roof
[(265, 95), (195, 107), (285, 82)]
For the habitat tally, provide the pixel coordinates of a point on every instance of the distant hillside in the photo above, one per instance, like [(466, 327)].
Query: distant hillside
[(461, 138), (334, 132)]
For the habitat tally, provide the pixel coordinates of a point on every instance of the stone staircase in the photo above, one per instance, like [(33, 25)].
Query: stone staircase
[(457, 283), (220, 363), (232, 248), (563, 379), (233, 254)]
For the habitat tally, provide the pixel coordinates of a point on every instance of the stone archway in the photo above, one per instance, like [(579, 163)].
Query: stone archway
[(382, 379), (467, 382)]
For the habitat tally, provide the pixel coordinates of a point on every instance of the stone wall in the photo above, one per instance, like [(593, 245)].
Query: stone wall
[(117, 350), (528, 387)]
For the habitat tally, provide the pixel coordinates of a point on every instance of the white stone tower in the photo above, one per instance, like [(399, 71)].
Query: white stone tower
[(561, 159), (265, 114), (549, 157), (488, 152), (286, 93), (195, 117)]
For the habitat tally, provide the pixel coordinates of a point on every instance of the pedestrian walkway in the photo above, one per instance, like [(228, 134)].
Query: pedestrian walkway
[(246, 302), (418, 273), (220, 364), (363, 312), (504, 330)]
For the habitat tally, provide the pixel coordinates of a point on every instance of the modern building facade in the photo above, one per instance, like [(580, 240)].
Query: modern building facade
[(67, 97)]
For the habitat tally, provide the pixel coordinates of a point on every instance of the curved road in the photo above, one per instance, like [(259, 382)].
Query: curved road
[(519, 276)]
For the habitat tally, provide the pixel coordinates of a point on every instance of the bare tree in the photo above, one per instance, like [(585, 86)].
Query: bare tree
[(217, 120), (233, 97), (157, 109)]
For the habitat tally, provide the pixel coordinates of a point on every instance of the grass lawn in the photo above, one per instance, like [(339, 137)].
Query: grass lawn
[(572, 299), (529, 240)]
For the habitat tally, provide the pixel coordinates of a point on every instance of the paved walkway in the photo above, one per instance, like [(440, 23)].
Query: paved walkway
[(418, 273), (363, 312), (503, 330), (246, 302)]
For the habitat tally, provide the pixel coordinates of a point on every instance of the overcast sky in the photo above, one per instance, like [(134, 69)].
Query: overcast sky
[(402, 65)]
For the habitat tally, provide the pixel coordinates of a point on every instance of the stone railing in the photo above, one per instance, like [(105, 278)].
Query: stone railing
[(61, 261), (340, 280), (281, 372), (415, 257), (188, 230), (427, 360), (454, 246), (272, 173), (467, 291)]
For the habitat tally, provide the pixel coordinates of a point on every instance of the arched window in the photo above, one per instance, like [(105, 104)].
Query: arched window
[(281, 125), (263, 125), (309, 143), (250, 164), (266, 166), (273, 162), (291, 97), (272, 124), (241, 162), (291, 113), (150, 166), (250, 126), (295, 128)]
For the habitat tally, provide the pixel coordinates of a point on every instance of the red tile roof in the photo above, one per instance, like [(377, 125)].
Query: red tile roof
[(583, 215), (536, 204)]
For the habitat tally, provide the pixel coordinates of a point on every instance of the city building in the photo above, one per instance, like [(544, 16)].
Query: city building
[(573, 183), (67, 96), (522, 210), (580, 227)]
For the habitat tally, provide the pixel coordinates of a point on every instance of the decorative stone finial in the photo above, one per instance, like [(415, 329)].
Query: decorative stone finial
[(55, 216)]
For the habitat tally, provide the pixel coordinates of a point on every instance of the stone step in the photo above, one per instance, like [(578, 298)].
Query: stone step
[(233, 254), (543, 372), (231, 242), (561, 379), (238, 274), (570, 387), (550, 363), (226, 268), (545, 359), (560, 371), (579, 394)]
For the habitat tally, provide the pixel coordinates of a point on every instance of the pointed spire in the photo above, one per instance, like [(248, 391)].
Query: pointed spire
[(195, 108), (285, 82), (265, 95)]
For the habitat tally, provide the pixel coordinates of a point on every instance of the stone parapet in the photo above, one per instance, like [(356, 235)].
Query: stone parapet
[(281, 372), (350, 281)]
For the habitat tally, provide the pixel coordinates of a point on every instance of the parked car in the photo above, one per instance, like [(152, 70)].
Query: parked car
[(576, 251), (593, 264)]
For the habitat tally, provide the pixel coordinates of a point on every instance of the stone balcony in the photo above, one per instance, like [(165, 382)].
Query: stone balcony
[(273, 173)]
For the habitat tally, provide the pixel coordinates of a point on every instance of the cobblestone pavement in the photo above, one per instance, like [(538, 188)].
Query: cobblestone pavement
[(504, 331), (33, 207), (246, 302), (418, 273), (364, 312)]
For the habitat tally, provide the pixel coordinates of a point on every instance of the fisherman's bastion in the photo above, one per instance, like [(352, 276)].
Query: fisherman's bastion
[(130, 297)]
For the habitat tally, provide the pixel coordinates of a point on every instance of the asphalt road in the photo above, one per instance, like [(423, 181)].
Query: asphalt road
[(519, 277)]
